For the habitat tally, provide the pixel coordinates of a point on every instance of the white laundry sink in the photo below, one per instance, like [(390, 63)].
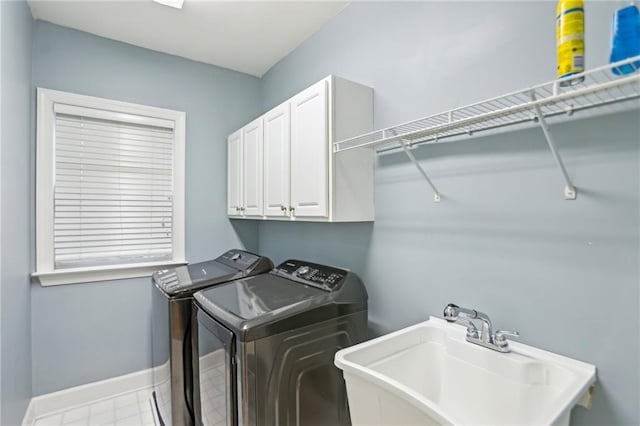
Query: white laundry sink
[(428, 374)]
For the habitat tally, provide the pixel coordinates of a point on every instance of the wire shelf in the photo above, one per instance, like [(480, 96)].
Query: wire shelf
[(599, 88)]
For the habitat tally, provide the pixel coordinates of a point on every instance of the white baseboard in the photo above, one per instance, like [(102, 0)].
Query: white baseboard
[(54, 402)]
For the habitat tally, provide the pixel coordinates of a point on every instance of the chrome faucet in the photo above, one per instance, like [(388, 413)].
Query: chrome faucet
[(483, 337)]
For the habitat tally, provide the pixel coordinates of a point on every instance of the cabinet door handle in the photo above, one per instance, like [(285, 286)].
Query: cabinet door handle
[(283, 208), (291, 209)]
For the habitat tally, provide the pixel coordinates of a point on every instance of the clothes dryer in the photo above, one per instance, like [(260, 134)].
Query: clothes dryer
[(171, 343)]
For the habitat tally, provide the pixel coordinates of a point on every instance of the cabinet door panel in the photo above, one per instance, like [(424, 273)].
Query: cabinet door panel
[(252, 168), (310, 151), (276, 161), (234, 173)]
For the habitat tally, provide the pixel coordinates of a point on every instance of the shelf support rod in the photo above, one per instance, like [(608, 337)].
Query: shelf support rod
[(570, 191), (436, 194)]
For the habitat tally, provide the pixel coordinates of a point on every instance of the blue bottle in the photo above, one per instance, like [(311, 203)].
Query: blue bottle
[(625, 39)]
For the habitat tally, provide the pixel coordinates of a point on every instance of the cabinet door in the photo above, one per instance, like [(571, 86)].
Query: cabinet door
[(310, 152), (234, 173), (252, 168), (276, 161)]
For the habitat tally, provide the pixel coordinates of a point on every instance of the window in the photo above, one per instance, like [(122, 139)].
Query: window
[(109, 189)]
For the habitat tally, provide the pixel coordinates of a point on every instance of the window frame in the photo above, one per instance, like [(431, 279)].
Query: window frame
[(46, 273)]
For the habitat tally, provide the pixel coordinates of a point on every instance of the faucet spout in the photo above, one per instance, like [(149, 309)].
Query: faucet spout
[(484, 336), (452, 313)]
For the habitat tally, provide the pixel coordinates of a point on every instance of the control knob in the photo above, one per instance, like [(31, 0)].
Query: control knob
[(302, 270)]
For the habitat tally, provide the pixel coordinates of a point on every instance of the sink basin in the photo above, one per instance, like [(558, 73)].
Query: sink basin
[(429, 374)]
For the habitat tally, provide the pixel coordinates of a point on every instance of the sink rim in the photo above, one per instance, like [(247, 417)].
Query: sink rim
[(585, 374)]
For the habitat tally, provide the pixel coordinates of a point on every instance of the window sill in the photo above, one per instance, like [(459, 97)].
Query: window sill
[(101, 273)]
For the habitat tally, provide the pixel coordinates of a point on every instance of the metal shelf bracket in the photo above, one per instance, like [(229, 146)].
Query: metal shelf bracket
[(405, 147), (570, 191)]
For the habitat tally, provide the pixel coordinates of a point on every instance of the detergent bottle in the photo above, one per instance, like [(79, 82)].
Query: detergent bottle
[(625, 38), (570, 40)]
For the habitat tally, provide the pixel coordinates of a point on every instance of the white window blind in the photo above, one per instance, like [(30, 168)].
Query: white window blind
[(113, 189)]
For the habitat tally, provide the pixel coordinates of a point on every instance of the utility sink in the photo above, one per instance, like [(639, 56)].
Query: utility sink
[(428, 374)]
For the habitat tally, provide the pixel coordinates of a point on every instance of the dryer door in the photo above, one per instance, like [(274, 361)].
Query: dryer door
[(215, 370)]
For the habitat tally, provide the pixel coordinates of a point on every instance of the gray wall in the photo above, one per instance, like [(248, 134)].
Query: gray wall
[(88, 332), (15, 321), (503, 240), (0, 211)]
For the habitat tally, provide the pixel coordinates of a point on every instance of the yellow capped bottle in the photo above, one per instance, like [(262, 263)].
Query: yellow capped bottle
[(570, 40)]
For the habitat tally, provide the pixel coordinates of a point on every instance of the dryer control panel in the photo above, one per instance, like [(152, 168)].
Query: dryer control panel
[(321, 276)]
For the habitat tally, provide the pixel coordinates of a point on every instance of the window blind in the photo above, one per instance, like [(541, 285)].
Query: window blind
[(113, 192)]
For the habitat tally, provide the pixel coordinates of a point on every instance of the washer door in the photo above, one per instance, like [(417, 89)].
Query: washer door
[(216, 403)]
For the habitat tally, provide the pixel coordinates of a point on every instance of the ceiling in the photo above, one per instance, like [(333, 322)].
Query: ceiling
[(245, 36)]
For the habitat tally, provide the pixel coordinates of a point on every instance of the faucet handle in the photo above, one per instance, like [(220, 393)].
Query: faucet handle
[(500, 338), (472, 331)]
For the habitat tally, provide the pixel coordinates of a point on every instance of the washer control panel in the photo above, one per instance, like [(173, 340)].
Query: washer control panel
[(324, 277), (238, 259)]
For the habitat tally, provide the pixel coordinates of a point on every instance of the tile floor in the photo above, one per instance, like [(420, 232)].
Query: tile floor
[(131, 409)]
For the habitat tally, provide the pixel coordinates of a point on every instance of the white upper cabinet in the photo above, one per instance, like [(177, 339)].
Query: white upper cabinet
[(252, 168), (277, 138), (309, 154), (234, 172), (299, 177)]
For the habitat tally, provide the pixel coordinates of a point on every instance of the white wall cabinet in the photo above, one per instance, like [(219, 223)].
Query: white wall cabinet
[(277, 139), (300, 177), (234, 172), (309, 154), (252, 149), (244, 168)]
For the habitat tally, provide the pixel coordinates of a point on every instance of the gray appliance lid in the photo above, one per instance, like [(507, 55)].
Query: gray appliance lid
[(270, 303), (231, 265), (266, 297), (211, 270)]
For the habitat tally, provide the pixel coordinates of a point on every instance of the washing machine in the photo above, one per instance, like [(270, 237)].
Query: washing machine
[(171, 343), (266, 346)]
